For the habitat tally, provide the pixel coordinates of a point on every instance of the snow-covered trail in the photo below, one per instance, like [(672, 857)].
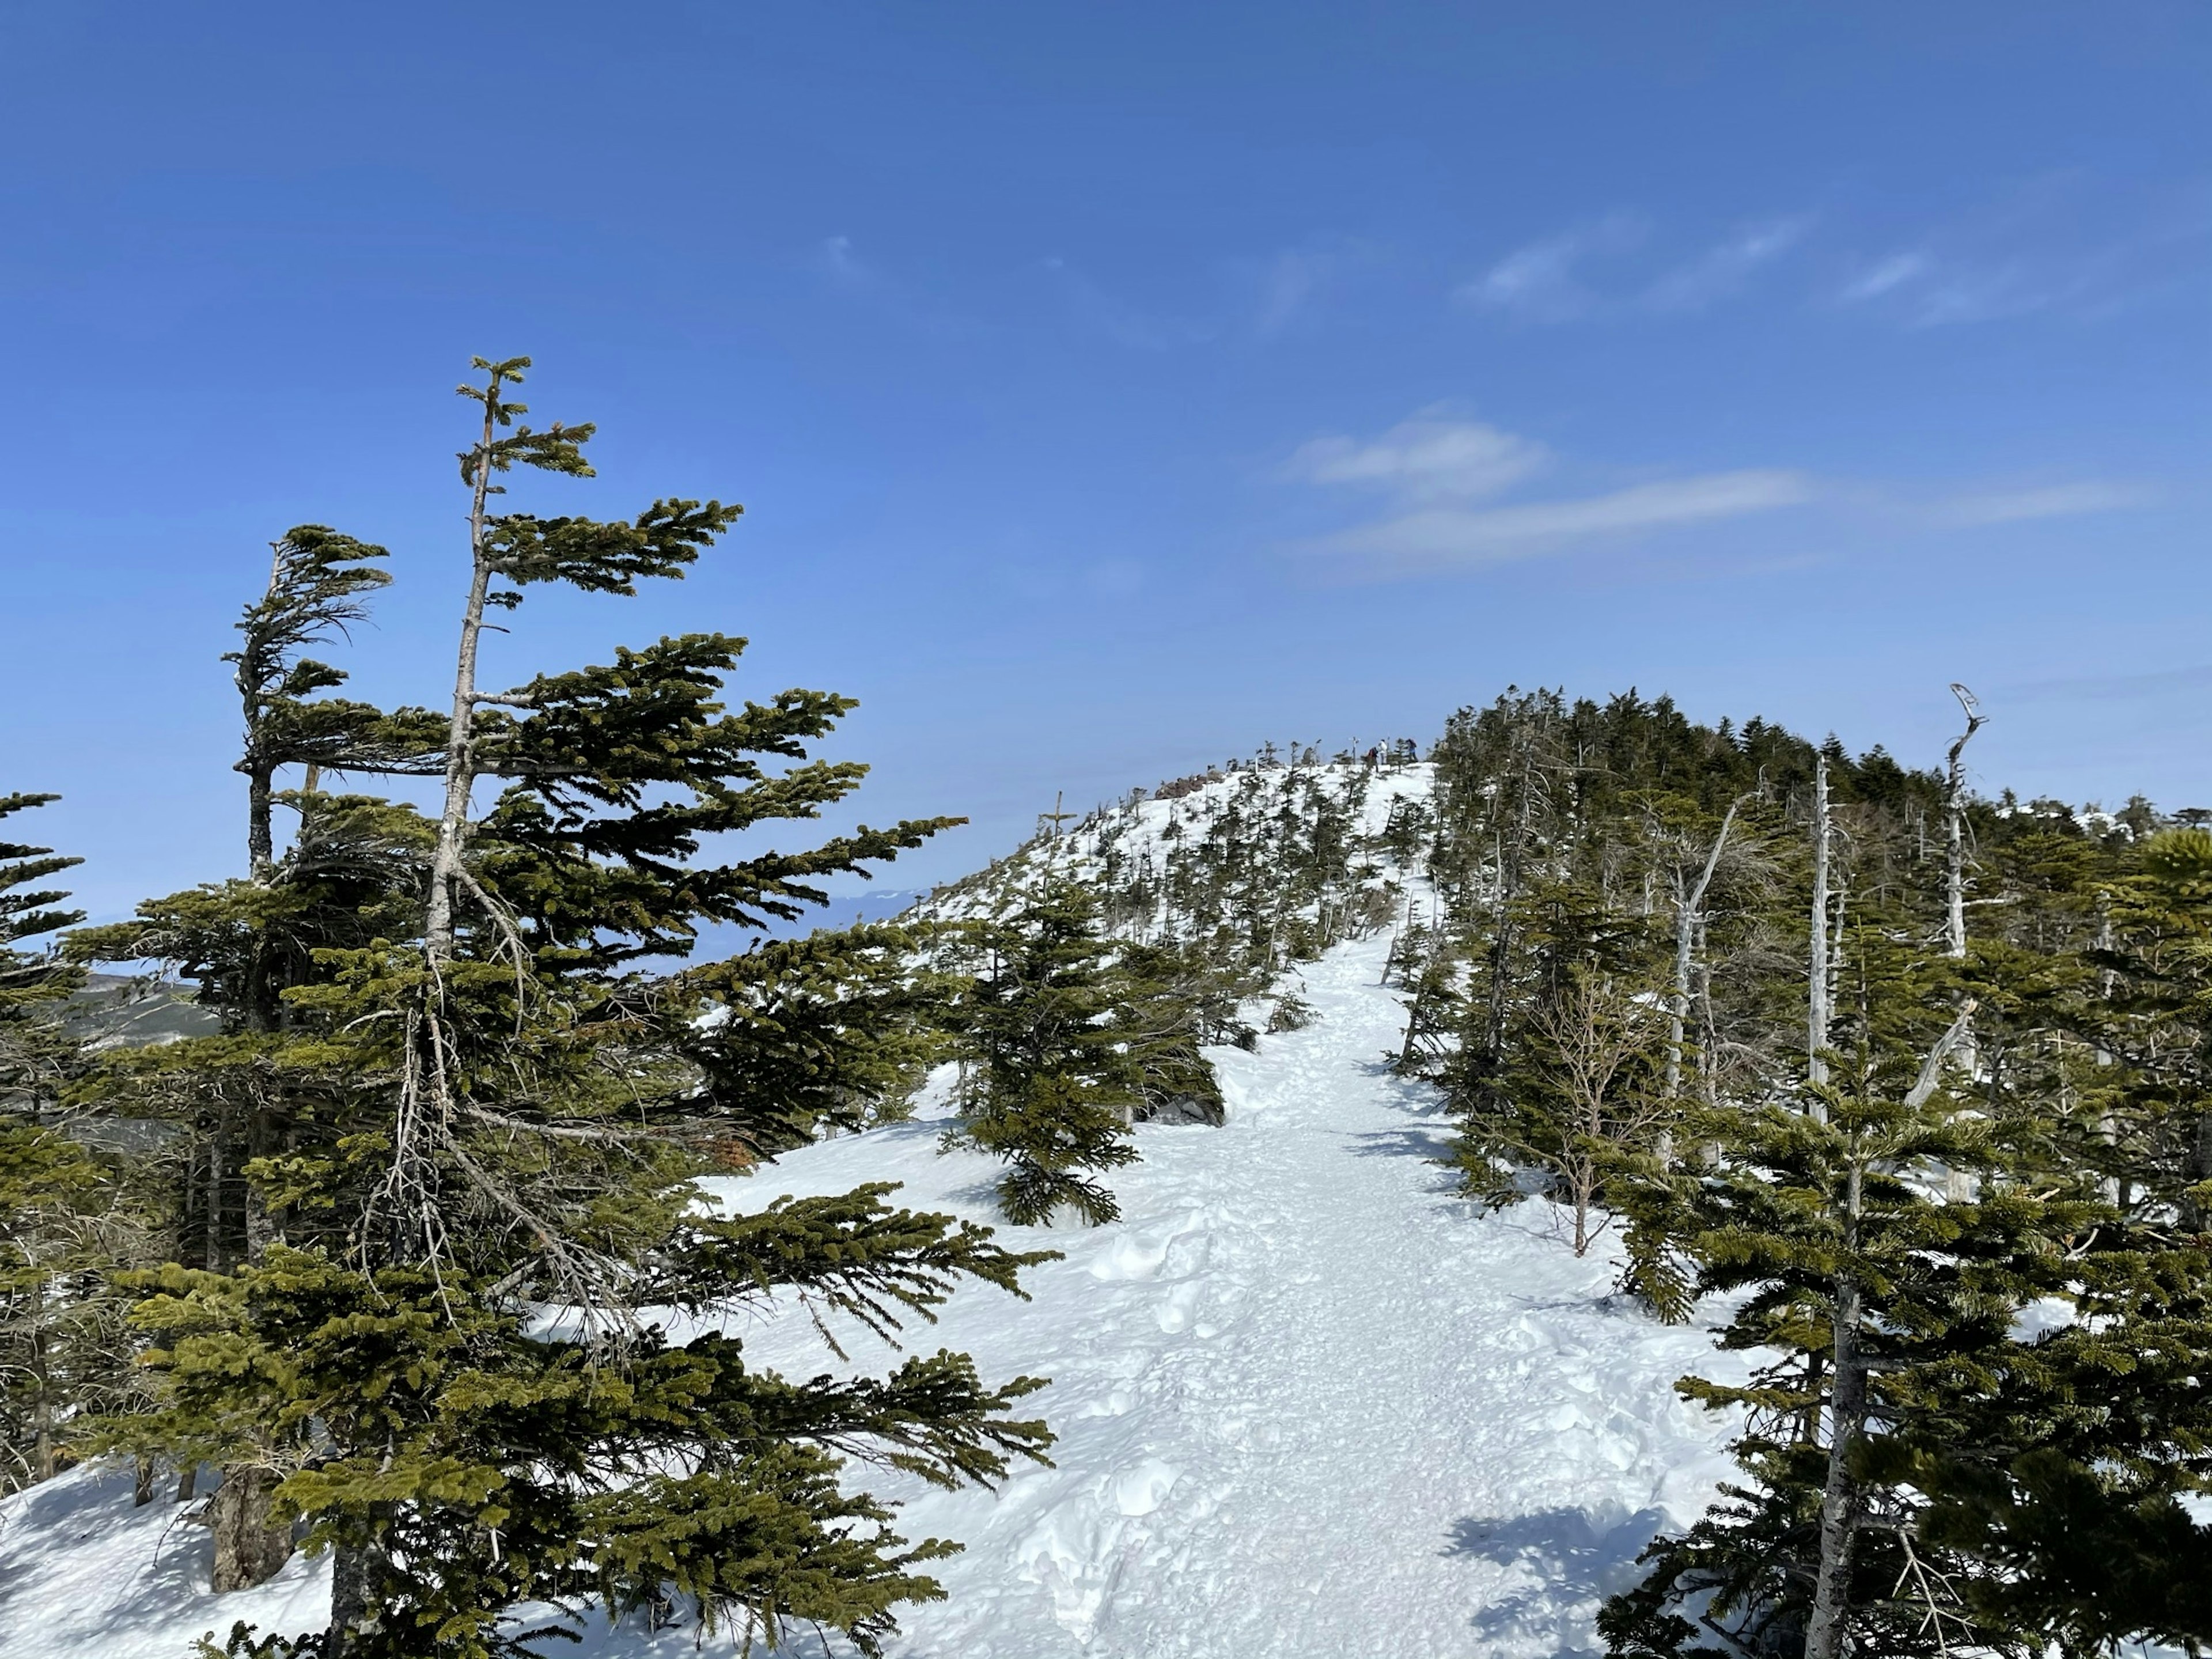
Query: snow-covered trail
[(1308, 1403)]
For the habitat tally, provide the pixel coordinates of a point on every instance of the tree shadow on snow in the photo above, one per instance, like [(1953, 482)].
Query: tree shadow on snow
[(166, 1566), (1431, 1146), (1577, 1559)]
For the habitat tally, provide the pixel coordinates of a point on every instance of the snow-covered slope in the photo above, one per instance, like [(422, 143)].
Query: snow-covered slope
[(1308, 1404)]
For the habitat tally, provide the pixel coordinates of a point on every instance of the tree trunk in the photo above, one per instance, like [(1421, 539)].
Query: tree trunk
[(355, 1607), (219, 1157), (1689, 910), (249, 1547), (45, 1455), (460, 758), (260, 834), (1816, 1000), (1847, 1411), (1955, 819), (1839, 1498)]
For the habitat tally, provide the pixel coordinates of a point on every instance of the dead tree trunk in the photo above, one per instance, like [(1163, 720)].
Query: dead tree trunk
[(1816, 999), (1955, 875), (1955, 820), (460, 734), (1689, 912)]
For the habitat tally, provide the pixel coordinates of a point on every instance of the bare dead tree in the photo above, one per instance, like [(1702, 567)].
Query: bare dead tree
[(1816, 1000), (1601, 1038), (1955, 818), (1689, 912)]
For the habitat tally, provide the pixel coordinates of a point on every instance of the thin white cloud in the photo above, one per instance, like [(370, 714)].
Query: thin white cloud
[(1885, 275), (1455, 538), (1540, 282), (1427, 458), (2066, 243), (2049, 502), (1722, 271)]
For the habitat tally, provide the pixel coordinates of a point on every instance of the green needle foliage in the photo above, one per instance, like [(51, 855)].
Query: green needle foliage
[(65, 1219), (445, 1295), (1051, 1084), (1953, 1206)]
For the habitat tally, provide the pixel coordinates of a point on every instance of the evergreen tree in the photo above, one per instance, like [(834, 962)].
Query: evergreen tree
[(35, 1053), (62, 1350), (2068, 1488), (254, 1090), (1051, 1085), (832, 1032), (1169, 1001), (437, 1356)]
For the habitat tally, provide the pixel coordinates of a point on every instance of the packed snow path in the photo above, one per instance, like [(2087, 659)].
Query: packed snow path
[(1308, 1404)]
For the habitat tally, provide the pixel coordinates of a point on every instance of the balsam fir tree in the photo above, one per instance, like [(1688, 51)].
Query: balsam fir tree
[(61, 1227), (1169, 1002), (1051, 1086), (1929, 1471), (2068, 1487), (35, 1053), (254, 1090), (832, 1032), (438, 1358)]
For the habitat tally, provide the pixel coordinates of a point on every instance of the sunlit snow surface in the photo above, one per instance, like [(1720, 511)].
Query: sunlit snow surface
[(1308, 1403)]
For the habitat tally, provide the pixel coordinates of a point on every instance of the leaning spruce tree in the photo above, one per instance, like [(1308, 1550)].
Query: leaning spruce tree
[(487, 1118)]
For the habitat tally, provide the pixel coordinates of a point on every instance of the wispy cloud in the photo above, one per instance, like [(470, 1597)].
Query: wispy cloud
[(871, 286), (2065, 244), (835, 259), (1884, 275), (1436, 473), (2063, 500), (1541, 282), (1928, 291), (1428, 458), (1725, 268), (1448, 537)]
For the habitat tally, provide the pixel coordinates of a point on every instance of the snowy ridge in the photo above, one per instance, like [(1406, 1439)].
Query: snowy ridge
[(1309, 1401), (1145, 834)]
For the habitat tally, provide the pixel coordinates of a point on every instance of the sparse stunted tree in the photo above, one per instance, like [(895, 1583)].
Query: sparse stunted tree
[(1051, 1085)]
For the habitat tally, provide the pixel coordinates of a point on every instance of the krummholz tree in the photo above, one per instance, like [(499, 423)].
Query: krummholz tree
[(1987, 1415), (439, 1357), (61, 1350), (1051, 1085), (238, 1095)]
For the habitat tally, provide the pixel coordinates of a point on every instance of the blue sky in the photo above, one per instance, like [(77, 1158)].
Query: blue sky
[(1112, 388)]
